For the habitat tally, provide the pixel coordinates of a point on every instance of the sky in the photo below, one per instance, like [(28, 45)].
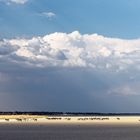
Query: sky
[(70, 56)]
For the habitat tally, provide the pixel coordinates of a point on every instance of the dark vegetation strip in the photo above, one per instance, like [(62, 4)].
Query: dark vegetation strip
[(69, 113)]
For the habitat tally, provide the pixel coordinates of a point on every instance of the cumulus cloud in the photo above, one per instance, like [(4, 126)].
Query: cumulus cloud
[(100, 71), (15, 1), (73, 50)]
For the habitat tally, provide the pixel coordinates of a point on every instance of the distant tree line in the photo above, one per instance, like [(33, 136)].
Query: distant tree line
[(69, 113)]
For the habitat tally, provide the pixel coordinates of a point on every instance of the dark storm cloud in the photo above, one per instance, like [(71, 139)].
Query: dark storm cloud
[(69, 72)]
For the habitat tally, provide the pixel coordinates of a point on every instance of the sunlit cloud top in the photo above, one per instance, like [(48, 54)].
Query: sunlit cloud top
[(73, 50), (14, 1)]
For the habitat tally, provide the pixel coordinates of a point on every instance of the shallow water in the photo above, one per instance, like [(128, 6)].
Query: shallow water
[(68, 132)]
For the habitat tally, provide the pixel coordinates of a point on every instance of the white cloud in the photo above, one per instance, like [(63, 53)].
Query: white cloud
[(73, 50), (49, 15), (15, 1)]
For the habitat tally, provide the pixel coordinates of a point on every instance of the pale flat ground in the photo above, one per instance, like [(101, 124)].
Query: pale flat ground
[(70, 119)]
